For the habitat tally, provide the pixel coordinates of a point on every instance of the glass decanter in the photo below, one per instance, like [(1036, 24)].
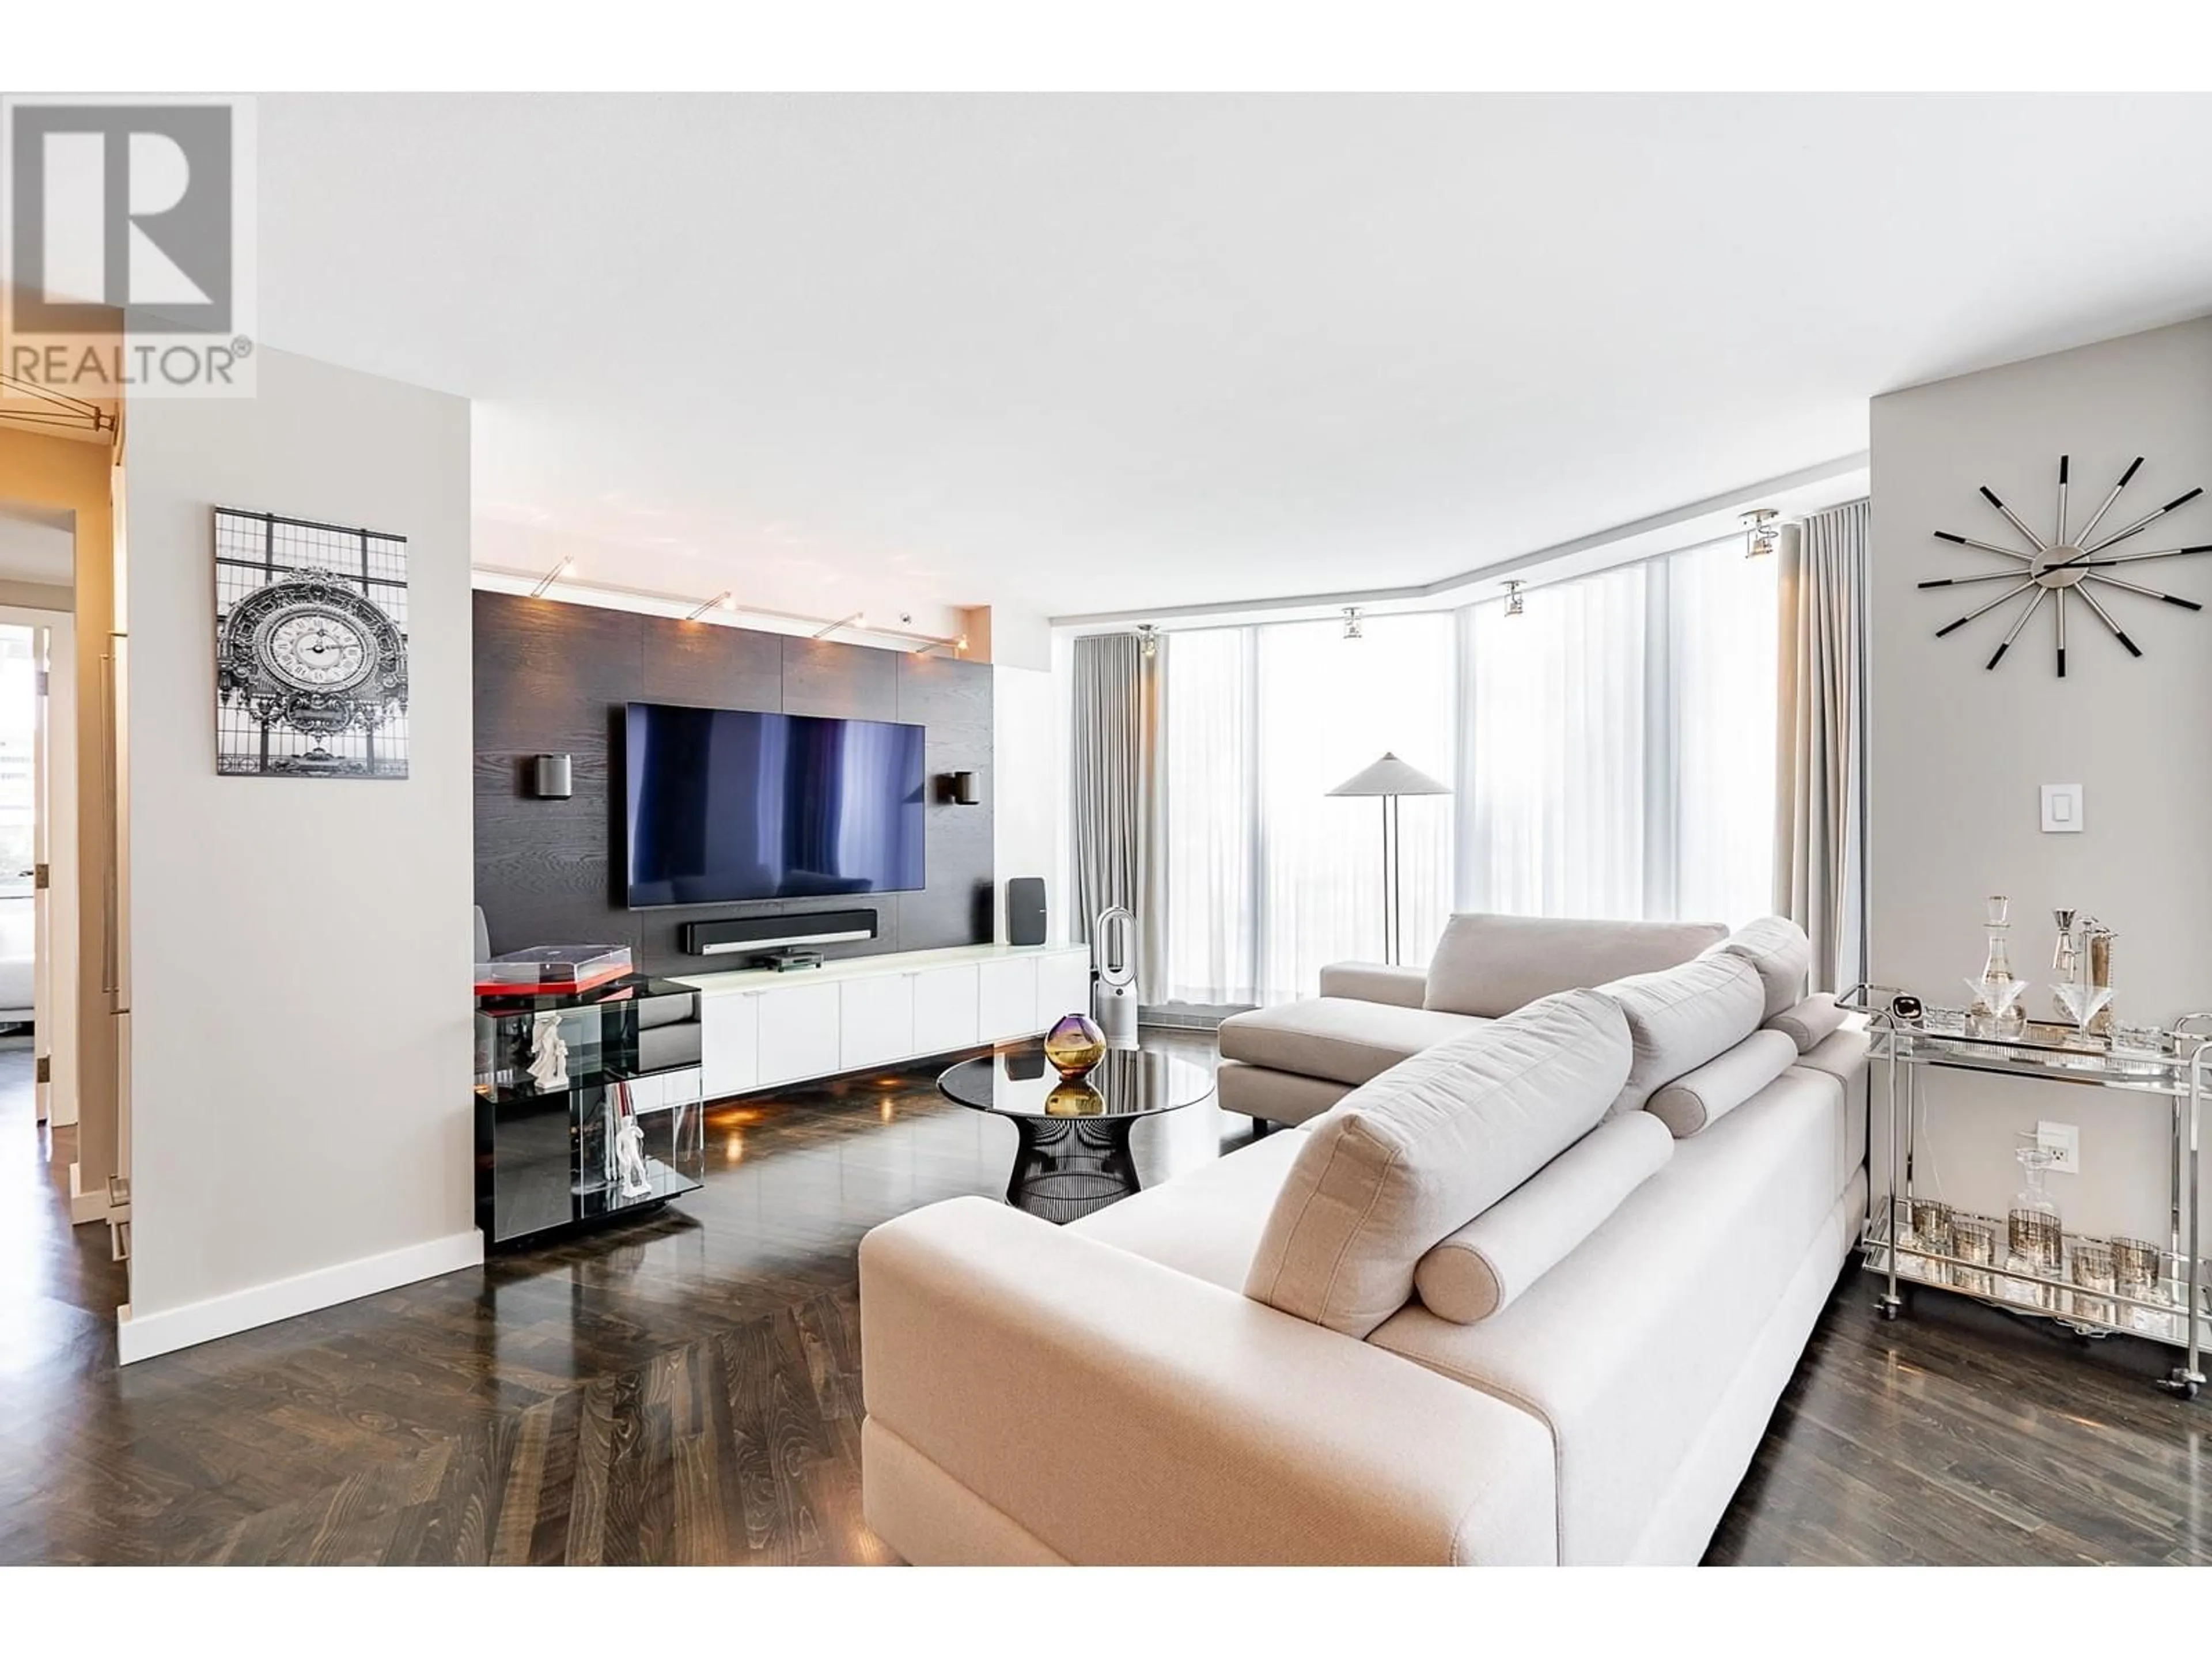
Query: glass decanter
[(1995, 1009), (2035, 1244)]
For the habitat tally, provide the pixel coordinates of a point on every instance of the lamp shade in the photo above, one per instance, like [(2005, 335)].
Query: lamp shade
[(1390, 776)]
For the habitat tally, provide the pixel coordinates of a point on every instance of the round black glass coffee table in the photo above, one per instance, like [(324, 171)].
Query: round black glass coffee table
[(1072, 1155)]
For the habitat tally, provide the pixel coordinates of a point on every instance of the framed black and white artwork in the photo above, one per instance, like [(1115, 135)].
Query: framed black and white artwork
[(311, 649)]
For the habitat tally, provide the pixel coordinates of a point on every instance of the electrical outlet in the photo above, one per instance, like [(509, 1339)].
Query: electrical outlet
[(2063, 1142)]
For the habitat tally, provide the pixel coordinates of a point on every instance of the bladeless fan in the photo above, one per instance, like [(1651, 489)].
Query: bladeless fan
[(1113, 994)]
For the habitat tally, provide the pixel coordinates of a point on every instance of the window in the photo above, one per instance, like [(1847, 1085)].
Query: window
[(1268, 876), (1610, 752), (1722, 712), (1556, 753), (1213, 831)]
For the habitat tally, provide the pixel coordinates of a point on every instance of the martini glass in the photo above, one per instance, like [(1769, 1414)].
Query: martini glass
[(1997, 1005), (2082, 1003)]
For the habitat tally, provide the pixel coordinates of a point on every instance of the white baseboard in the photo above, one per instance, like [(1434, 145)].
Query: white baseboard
[(141, 1336), (83, 1206)]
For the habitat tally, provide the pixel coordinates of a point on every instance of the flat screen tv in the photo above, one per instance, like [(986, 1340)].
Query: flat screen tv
[(723, 805)]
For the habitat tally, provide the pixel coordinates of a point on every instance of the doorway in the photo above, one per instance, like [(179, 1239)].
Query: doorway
[(42, 1261)]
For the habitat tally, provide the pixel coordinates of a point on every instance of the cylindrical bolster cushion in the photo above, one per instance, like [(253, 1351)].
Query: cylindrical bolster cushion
[(1716, 1088), (1478, 1270), (1809, 1024)]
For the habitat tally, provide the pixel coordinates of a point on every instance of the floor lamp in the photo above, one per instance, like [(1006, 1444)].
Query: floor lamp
[(1387, 779)]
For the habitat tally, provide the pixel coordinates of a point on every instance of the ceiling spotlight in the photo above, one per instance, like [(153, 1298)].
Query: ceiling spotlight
[(720, 602), (1760, 533), (1148, 640), (1354, 627), (1512, 599), (552, 576)]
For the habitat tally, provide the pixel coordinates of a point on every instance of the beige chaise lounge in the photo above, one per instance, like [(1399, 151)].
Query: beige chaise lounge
[(1294, 1061)]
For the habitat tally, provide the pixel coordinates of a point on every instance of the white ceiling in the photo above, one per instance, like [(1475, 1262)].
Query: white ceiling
[(1087, 353)]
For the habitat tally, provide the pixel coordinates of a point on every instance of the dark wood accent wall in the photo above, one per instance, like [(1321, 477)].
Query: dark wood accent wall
[(552, 678)]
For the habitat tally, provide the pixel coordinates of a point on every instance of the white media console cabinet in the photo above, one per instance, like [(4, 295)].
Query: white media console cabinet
[(759, 1027)]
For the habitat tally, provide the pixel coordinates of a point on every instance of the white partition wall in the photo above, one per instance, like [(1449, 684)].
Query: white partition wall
[(300, 948)]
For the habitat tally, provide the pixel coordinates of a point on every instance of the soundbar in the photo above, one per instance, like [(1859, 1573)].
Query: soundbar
[(761, 934)]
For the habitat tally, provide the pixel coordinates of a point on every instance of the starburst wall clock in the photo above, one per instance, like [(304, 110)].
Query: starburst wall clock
[(2066, 566)]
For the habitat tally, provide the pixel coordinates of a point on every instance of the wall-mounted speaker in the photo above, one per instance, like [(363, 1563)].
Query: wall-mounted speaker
[(552, 777), (764, 933), (1025, 917)]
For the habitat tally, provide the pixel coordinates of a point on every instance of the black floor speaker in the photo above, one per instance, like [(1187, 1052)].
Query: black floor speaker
[(1025, 918)]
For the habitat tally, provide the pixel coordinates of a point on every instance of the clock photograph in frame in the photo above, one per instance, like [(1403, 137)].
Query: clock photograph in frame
[(311, 649)]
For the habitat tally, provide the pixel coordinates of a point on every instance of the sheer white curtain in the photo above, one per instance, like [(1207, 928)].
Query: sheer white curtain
[(1214, 847), (1721, 610), (1269, 877), (1612, 752), (1553, 771), (1329, 706), (1619, 750)]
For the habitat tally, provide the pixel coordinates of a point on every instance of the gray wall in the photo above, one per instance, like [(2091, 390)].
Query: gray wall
[(300, 1044), (553, 677), (1957, 754)]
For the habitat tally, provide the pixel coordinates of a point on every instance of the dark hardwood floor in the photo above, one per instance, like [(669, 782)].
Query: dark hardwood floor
[(687, 1388), (1964, 1435)]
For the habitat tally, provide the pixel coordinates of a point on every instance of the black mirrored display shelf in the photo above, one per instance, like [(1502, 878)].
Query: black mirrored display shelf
[(588, 1106)]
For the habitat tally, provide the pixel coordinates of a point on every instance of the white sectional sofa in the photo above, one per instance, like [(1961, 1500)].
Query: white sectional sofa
[(1525, 1296)]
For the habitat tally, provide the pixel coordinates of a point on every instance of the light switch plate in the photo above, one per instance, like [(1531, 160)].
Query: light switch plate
[(2063, 1141), (2062, 809)]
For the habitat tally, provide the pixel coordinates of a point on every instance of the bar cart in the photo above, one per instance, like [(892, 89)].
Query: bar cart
[(2159, 1292)]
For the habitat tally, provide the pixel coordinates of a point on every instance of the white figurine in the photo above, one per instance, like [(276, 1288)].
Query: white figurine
[(549, 1054), (630, 1146)]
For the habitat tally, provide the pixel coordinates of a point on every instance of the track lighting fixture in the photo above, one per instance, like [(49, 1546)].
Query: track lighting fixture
[(1354, 627), (1512, 599), (721, 601), (1761, 533), (552, 576), (1148, 642)]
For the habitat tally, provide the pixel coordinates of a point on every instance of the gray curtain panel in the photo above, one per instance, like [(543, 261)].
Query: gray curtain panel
[(1819, 855), (1119, 805)]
